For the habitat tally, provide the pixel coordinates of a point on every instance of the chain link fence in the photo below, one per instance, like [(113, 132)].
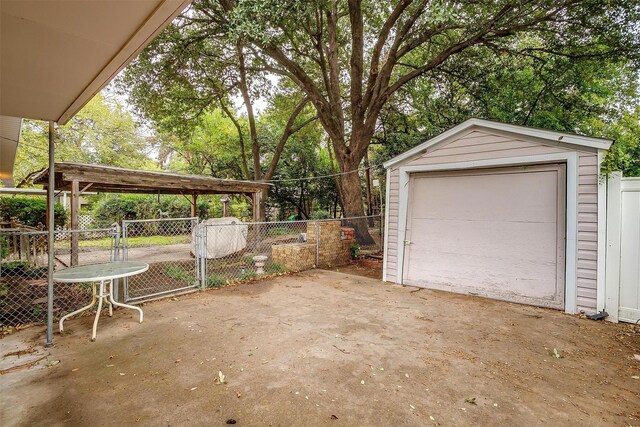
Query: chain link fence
[(183, 256), (234, 252), (169, 247), (23, 271)]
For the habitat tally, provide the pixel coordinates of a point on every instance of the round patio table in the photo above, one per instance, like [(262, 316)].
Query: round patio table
[(102, 273)]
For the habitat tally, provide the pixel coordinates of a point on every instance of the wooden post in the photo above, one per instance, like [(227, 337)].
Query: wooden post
[(75, 205), (256, 206), (194, 206)]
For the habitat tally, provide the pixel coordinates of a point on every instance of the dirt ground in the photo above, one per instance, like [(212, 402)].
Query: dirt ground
[(327, 348)]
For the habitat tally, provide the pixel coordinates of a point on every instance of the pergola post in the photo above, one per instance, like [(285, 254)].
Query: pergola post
[(75, 206), (50, 235), (194, 205), (256, 205)]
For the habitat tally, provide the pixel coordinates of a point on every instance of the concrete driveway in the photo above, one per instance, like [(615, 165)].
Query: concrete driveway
[(326, 348)]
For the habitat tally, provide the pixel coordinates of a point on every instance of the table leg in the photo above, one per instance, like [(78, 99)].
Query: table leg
[(119, 304), (73, 313), (101, 296)]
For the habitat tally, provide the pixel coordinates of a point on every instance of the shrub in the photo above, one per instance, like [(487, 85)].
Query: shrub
[(30, 211), (117, 207), (320, 215), (355, 250)]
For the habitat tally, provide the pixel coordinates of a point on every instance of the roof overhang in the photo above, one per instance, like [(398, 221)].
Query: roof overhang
[(110, 179), (542, 135), (9, 137), (55, 55)]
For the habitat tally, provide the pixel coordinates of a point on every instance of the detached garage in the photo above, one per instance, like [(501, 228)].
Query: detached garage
[(500, 211)]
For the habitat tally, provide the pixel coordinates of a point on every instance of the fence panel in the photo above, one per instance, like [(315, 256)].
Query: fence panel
[(23, 271), (169, 247), (237, 252)]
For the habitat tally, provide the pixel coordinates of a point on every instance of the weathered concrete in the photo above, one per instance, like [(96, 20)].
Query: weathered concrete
[(305, 349)]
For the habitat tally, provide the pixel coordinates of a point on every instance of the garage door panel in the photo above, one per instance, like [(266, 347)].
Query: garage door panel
[(518, 240), (533, 192), (494, 233)]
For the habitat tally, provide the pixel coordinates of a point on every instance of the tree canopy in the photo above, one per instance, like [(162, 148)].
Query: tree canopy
[(354, 60)]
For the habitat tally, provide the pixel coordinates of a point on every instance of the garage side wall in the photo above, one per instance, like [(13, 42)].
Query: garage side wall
[(481, 145)]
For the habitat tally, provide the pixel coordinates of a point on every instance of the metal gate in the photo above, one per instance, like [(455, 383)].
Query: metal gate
[(169, 246)]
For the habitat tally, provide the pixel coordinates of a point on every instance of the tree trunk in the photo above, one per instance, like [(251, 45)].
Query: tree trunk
[(352, 201)]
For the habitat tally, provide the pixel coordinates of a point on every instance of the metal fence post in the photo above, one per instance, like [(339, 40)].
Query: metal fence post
[(317, 227), (116, 257)]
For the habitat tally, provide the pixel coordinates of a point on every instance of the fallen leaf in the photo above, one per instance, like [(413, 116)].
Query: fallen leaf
[(555, 353), (333, 417), (51, 363), (471, 400), (220, 379)]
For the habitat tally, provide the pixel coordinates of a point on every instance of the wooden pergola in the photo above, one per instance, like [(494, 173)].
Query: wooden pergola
[(79, 177)]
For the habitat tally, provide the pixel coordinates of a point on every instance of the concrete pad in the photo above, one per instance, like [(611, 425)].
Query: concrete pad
[(326, 348)]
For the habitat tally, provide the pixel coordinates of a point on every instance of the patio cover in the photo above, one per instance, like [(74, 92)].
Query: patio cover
[(55, 55), (110, 179), (9, 136)]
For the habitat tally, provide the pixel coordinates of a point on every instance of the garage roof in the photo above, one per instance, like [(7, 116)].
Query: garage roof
[(545, 136), (57, 54)]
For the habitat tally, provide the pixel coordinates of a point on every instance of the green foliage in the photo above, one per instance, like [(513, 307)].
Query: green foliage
[(30, 211), (117, 207), (354, 249), (272, 267), (103, 132), (4, 247), (247, 275), (216, 280), (179, 273), (320, 214)]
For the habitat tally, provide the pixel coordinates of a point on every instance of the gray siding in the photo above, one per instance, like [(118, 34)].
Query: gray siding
[(479, 145)]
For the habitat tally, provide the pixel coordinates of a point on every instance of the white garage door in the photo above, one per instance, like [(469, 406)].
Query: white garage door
[(497, 233)]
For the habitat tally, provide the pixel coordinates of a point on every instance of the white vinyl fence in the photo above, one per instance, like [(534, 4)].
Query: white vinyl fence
[(623, 249)]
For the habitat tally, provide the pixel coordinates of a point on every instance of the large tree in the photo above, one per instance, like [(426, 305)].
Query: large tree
[(350, 57), (193, 69)]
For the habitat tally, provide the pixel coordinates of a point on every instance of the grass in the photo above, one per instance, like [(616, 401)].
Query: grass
[(272, 267), (179, 273), (216, 280), (138, 241)]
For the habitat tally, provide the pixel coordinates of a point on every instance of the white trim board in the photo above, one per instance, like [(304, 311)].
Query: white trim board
[(570, 141), (571, 229), (386, 226), (602, 237)]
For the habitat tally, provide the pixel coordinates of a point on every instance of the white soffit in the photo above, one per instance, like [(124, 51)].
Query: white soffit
[(9, 136), (55, 55), (559, 138)]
